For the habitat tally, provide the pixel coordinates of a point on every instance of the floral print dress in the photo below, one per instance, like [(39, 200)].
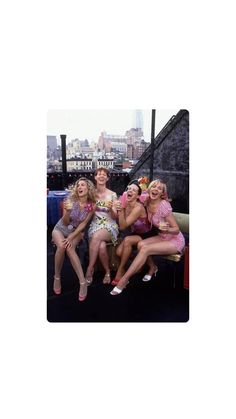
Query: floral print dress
[(102, 220)]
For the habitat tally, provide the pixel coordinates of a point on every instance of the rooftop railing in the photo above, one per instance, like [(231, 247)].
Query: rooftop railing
[(57, 181)]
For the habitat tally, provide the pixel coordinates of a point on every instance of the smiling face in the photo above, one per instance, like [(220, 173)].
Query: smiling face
[(156, 190), (101, 177), (82, 188), (132, 193)]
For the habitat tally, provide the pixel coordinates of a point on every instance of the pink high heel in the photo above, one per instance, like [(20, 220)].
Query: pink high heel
[(57, 291), (83, 297)]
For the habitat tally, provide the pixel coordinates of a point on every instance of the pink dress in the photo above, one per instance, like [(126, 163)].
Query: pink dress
[(163, 211)]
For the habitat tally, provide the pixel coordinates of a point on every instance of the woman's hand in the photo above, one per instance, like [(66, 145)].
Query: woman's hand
[(67, 243), (109, 204), (117, 205), (164, 226)]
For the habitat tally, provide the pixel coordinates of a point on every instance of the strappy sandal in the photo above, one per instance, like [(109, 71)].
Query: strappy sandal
[(107, 279), (57, 291), (83, 297), (89, 278)]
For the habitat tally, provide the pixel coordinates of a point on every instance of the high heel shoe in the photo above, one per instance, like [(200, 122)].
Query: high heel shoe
[(107, 278), (89, 278), (116, 291), (147, 277), (83, 297), (57, 291)]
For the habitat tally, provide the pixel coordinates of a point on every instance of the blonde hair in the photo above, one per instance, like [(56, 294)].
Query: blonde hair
[(164, 188), (91, 190)]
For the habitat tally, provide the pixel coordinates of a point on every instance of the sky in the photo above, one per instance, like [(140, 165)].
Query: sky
[(89, 124)]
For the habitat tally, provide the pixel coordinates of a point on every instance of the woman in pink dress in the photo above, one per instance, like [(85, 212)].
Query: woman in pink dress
[(169, 240), (132, 217)]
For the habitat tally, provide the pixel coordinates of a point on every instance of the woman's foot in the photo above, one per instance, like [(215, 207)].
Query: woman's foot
[(115, 281), (57, 285), (152, 272), (120, 287), (89, 277), (83, 291), (107, 278)]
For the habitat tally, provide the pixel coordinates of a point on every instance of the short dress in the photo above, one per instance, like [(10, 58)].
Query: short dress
[(163, 211), (143, 227), (77, 215), (102, 220)]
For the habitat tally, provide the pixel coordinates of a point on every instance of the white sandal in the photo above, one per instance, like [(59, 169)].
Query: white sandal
[(147, 278), (116, 291)]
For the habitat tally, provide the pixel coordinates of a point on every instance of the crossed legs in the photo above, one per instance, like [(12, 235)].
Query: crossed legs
[(152, 246)]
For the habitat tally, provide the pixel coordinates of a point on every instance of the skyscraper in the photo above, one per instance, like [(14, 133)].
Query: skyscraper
[(138, 119)]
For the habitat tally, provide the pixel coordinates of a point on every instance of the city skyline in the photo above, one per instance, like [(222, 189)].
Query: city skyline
[(88, 124)]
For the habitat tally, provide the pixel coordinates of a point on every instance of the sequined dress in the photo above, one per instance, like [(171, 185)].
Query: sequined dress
[(77, 215), (102, 220)]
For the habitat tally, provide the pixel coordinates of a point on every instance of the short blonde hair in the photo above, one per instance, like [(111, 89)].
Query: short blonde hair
[(164, 187)]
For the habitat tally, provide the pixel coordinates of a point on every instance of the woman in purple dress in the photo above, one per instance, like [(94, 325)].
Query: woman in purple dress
[(67, 233)]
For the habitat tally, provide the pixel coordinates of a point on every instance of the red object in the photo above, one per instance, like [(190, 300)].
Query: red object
[(186, 268)]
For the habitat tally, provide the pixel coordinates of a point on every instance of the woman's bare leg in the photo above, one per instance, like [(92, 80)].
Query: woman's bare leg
[(76, 264), (157, 247), (58, 238), (94, 245), (104, 258), (151, 265), (128, 244)]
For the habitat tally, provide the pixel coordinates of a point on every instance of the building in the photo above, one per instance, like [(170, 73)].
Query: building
[(107, 163), (138, 119), (51, 142), (78, 163)]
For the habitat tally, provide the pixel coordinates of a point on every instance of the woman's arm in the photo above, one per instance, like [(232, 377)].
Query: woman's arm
[(68, 241), (172, 226), (66, 216), (81, 226), (112, 207), (124, 221)]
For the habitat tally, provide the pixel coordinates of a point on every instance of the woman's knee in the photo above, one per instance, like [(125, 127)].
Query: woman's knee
[(140, 245), (102, 246), (127, 241), (60, 247)]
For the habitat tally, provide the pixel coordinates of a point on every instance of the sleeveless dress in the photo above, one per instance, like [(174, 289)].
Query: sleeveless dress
[(163, 211), (77, 215), (102, 220)]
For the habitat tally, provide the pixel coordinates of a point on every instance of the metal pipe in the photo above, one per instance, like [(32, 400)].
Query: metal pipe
[(63, 156), (152, 144)]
